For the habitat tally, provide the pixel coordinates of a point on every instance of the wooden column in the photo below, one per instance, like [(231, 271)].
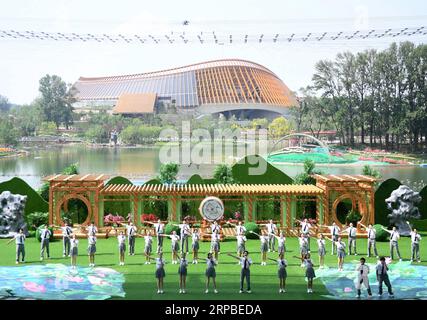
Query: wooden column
[(101, 211), (51, 207), (289, 223)]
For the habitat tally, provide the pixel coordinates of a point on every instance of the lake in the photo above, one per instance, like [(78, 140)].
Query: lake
[(140, 164)]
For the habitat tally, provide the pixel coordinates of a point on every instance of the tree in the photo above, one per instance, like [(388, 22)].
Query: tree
[(168, 173), (223, 174), (306, 176), (56, 100), (4, 104), (9, 134), (279, 127)]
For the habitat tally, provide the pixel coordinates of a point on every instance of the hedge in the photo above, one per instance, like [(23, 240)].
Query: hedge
[(38, 233), (423, 204), (169, 228), (380, 234), (252, 226)]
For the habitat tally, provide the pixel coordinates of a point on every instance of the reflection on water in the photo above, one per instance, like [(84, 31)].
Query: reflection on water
[(143, 163)]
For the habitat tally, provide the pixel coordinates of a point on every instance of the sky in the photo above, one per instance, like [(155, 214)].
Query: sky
[(23, 62)]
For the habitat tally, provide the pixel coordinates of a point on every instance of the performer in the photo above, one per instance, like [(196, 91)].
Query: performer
[(281, 272), (195, 237), (340, 245), (185, 232), (174, 245), (45, 235), (303, 248), (215, 227), (415, 245), (271, 231), (335, 231), (372, 242), (210, 272), (394, 244), (241, 247), (121, 238), (309, 273), (160, 272), (305, 230), (321, 251), (264, 247), (382, 276), (352, 233), (240, 229), (20, 245), (74, 243), (131, 231), (245, 262), (159, 227), (91, 250), (281, 241), (148, 245), (182, 270), (92, 229), (362, 278), (66, 234), (215, 239)]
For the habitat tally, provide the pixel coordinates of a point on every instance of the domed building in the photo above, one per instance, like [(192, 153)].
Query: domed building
[(231, 87)]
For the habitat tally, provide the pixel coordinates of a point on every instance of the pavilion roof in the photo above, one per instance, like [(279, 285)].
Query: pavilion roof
[(343, 178), (76, 178), (212, 189)]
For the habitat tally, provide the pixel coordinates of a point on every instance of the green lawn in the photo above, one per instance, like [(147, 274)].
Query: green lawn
[(141, 283)]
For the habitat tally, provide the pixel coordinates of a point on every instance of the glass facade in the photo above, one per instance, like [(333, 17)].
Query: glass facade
[(230, 82)]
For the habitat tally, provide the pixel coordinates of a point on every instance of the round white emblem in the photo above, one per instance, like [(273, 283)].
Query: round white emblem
[(211, 208)]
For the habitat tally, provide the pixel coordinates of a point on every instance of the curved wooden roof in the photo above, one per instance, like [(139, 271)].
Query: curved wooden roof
[(212, 189)]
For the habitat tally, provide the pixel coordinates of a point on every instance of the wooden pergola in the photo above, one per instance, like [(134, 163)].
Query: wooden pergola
[(86, 188), (359, 189), (327, 193), (249, 194)]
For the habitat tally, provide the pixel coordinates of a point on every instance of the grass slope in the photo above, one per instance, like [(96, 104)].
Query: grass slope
[(35, 203), (382, 193), (272, 175), (140, 282), (120, 207)]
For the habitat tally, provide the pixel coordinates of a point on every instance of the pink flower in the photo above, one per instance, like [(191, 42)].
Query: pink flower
[(74, 279), (34, 287), (348, 289)]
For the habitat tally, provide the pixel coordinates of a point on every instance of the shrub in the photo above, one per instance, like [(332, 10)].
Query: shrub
[(169, 228), (381, 235), (353, 216), (36, 219), (31, 234), (252, 226), (39, 230)]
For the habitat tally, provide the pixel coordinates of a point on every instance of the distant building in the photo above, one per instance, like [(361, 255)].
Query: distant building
[(231, 87)]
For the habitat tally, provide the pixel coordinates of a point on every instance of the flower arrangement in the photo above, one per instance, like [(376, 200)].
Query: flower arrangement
[(237, 216), (149, 217), (113, 220)]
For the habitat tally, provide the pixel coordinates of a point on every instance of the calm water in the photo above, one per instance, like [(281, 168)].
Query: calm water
[(141, 164)]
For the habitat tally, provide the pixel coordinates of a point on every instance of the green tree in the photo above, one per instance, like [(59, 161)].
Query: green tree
[(4, 104), (279, 127), (168, 173), (56, 100), (223, 174), (9, 134)]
